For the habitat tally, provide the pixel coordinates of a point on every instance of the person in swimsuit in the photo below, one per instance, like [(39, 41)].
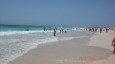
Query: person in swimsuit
[(113, 44)]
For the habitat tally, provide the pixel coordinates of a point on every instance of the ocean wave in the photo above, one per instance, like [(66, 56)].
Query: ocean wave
[(21, 32), (13, 48)]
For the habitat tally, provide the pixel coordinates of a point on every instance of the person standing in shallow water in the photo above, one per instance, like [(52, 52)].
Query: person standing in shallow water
[(60, 31), (44, 29), (113, 44), (54, 32)]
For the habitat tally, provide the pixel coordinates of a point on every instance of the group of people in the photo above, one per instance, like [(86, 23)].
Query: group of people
[(55, 30), (90, 30), (100, 29), (93, 29), (104, 29), (61, 31)]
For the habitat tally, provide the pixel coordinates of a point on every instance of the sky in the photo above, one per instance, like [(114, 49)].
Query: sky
[(82, 13)]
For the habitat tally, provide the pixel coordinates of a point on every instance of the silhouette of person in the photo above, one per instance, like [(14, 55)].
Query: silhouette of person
[(65, 31), (100, 30), (92, 29), (96, 29), (113, 44), (107, 29), (26, 29), (60, 31), (44, 28), (54, 32), (89, 29)]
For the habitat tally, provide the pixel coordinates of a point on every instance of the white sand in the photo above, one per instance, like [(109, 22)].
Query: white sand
[(103, 40)]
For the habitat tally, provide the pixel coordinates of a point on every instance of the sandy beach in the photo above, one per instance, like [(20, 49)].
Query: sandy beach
[(57, 32), (103, 40), (94, 49)]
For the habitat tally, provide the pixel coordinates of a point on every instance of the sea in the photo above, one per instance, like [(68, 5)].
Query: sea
[(16, 40)]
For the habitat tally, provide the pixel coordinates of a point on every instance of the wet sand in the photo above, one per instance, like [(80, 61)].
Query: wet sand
[(75, 51)]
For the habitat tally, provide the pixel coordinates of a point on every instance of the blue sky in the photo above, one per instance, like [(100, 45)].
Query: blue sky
[(83, 13)]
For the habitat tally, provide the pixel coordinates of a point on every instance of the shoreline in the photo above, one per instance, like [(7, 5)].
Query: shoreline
[(64, 52), (56, 45)]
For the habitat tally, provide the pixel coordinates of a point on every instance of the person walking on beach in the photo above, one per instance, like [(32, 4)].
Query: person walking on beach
[(113, 44)]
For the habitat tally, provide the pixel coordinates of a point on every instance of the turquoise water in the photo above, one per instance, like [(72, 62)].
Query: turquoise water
[(22, 27), (16, 41)]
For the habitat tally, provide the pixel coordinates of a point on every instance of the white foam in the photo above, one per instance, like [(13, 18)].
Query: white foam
[(24, 32), (21, 32), (78, 29), (14, 50)]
